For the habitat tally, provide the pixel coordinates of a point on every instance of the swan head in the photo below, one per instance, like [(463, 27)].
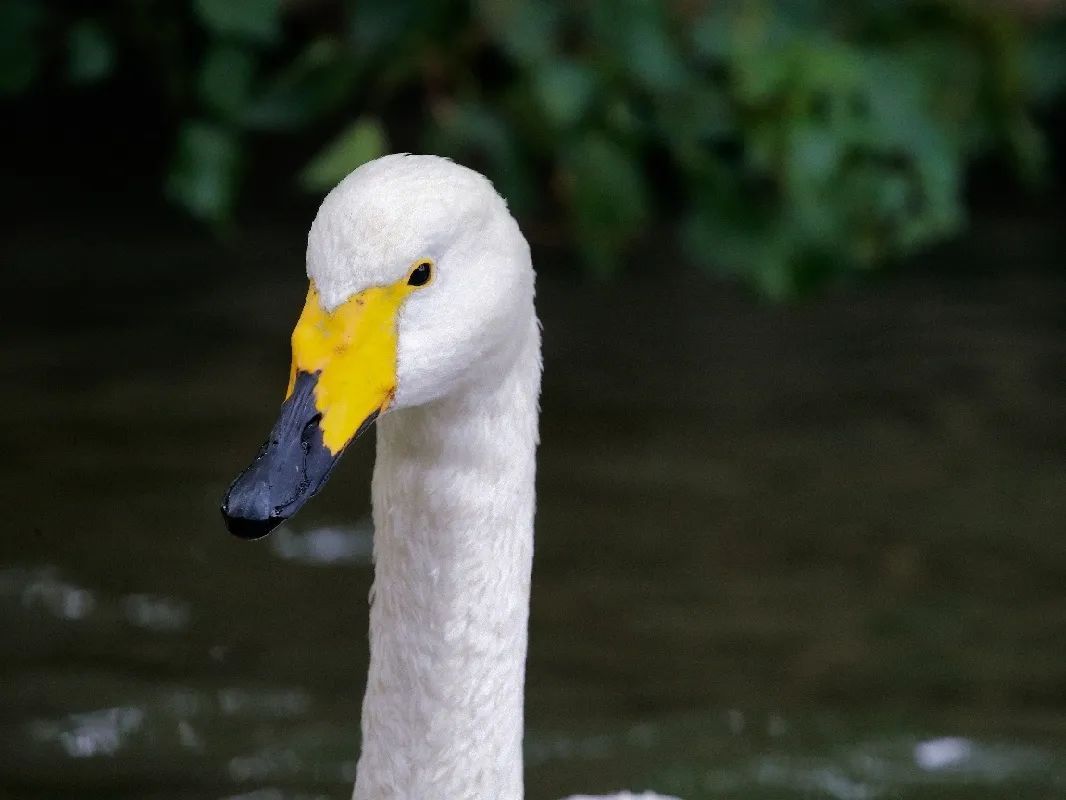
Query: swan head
[(420, 286)]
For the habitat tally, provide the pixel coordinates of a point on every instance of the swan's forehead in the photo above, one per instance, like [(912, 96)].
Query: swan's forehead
[(387, 215), (354, 249)]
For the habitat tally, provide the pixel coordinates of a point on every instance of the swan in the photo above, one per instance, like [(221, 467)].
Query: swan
[(420, 316)]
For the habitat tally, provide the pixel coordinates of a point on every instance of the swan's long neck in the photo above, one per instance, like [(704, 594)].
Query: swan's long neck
[(453, 514)]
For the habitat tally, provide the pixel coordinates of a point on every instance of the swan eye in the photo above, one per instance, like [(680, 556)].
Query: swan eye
[(421, 274)]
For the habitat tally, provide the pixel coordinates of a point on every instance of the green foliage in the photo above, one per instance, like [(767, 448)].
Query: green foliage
[(316, 83), (252, 20), (606, 193), (204, 175), (783, 142), (357, 144), (20, 21), (91, 55), (225, 81)]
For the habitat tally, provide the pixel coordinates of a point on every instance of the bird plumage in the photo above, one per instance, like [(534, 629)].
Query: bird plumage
[(453, 487)]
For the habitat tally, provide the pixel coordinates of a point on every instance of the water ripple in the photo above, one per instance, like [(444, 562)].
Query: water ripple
[(41, 588), (45, 589), (156, 612), (882, 768), (326, 546), (91, 734), (272, 793)]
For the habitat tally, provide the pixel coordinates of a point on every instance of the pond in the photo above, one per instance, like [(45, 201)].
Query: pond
[(815, 551)]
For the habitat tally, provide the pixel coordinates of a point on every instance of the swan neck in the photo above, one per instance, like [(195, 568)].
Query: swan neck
[(453, 500)]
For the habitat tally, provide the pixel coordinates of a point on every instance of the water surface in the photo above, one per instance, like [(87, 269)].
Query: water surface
[(808, 552)]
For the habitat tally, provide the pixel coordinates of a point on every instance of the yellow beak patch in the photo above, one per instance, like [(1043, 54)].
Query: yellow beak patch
[(353, 352), (343, 376)]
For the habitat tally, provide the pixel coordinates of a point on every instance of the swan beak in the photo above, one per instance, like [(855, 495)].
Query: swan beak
[(343, 376)]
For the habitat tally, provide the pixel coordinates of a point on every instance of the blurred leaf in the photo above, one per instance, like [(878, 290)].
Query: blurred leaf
[(20, 56), (253, 20), (90, 52), (203, 175), (761, 77), (527, 30), (635, 32), (942, 79), (763, 257), (226, 79), (812, 159), (652, 55), (1044, 63), (473, 133), (622, 118), (725, 231), (813, 138), (361, 142), (607, 198), (317, 82), (696, 117), (711, 35), (564, 89), (379, 28), (1029, 148)]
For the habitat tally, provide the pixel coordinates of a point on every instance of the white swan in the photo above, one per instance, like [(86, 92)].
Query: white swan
[(421, 304)]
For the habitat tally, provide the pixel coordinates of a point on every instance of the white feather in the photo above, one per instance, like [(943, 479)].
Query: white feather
[(453, 486)]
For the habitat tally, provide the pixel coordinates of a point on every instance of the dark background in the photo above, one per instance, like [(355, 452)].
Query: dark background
[(801, 489)]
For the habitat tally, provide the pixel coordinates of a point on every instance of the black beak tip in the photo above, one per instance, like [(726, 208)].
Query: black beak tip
[(292, 465), (250, 528)]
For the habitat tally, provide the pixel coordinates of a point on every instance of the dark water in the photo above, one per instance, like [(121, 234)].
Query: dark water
[(808, 552)]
